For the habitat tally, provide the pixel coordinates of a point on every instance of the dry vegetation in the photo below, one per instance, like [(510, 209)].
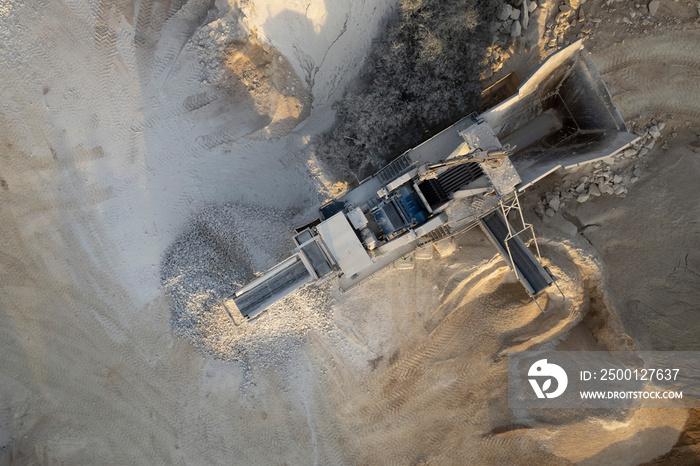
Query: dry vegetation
[(421, 75)]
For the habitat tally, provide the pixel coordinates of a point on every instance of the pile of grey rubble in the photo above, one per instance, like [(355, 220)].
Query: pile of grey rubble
[(610, 176), (513, 20)]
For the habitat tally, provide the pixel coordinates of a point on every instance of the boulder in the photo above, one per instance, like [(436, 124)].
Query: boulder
[(655, 131), (515, 14), (531, 6), (593, 190), (554, 203), (515, 29), (549, 212), (629, 153), (505, 12), (617, 179), (609, 160), (650, 144), (653, 6), (526, 17), (573, 4), (643, 152), (606, 188), (583, 198)]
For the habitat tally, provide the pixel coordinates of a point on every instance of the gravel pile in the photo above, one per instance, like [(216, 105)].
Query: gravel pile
[(224, 247), (211, 40)]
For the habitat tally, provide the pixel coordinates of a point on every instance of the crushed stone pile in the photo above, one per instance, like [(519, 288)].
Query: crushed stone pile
[(224, 247)]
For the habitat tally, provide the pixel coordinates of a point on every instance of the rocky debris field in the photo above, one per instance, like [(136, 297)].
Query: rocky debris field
[(610, 176)]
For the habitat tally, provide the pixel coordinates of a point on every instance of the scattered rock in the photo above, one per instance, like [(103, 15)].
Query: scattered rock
[(629, 153), (637, 172), (573, 4), (554, 204), (593, 190), (565, 8), (531, 6), (617, 179), (653, 6), (606, 189), (515, 14), (549, 212), (650, 144), (583, 198), (661, 126), (664, 146), (505, 12), (655, 132), (526, 17), (643, 152), (515, 29)]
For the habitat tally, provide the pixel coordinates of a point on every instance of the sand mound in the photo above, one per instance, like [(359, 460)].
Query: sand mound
[(437, 390)]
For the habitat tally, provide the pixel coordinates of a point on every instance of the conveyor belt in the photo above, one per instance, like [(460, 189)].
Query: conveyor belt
[(529, 269), (272, 288)]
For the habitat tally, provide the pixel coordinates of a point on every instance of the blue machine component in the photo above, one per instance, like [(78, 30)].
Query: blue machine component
[(412, 205), (400, 211)]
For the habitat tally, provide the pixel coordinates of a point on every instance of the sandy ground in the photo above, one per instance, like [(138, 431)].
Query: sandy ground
[(118, 125)]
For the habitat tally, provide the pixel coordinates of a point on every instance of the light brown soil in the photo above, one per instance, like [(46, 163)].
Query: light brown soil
[(109, 143)]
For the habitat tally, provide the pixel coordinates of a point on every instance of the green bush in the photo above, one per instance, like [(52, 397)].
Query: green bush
[(422, 75)]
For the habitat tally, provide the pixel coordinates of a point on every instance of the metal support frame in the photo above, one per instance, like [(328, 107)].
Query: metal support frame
[(506, 208), (514, 204)]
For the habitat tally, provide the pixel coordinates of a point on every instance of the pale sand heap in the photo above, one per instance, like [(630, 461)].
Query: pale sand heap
[(125, 128)]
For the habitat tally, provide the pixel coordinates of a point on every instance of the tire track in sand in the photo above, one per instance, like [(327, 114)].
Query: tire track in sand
[(654, 75)]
